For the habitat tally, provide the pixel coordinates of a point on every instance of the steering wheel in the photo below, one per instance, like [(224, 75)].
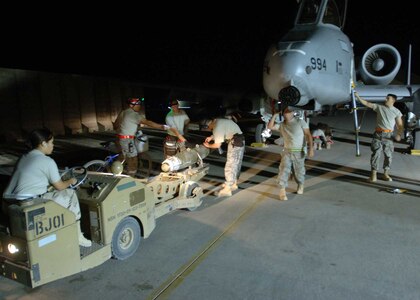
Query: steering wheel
[(80, 173)]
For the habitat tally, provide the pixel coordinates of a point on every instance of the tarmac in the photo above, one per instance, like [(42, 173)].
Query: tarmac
[(344, 238)]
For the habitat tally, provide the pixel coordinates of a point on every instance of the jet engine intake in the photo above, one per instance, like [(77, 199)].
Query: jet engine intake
[(380, 64)]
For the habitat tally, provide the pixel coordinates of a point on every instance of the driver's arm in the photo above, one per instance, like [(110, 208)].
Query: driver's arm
[(61, 185)]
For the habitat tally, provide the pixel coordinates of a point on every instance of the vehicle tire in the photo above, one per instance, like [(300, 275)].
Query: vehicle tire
[(190, 191), (126, 238), (95, 165), (258, 133)]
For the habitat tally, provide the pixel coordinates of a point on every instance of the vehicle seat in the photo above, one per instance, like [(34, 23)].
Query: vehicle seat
[(20, 200)]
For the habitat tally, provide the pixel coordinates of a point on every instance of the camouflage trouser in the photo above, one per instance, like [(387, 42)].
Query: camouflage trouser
[(233, 165), (66, 198), (381, 141), (129, 154), (289, 160)]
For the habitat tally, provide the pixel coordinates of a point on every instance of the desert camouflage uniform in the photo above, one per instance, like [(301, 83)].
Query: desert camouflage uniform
[(228, 131), (382, 140), (233, 165), (294, 152)]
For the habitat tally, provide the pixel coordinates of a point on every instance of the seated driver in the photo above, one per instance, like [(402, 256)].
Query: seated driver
[(36, 171)]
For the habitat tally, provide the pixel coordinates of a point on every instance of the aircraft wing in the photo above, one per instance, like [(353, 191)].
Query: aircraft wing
[(377, 93)]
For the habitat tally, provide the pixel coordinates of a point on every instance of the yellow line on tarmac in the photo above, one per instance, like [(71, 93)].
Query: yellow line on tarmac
[(175, 280)]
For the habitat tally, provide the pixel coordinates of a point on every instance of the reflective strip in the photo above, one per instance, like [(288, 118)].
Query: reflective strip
[(379, 129), (120, 136), (126, 185), (295, 149)]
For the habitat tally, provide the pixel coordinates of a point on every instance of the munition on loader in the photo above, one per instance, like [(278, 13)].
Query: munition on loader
[(184, 159)]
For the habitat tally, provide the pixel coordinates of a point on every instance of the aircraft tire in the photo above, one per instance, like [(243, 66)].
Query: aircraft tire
[(258, 133)]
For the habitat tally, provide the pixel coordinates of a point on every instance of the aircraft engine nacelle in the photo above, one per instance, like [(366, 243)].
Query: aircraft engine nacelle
[(380, 64)]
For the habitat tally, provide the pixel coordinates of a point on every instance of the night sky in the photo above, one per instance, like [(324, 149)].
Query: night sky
[(223, 50)]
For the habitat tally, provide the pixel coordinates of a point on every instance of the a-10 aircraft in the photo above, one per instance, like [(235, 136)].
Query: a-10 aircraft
[(313, 64)]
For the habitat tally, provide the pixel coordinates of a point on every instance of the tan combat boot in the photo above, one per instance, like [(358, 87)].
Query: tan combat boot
[(226, 191), (373, 176), (84, 242), (300, 189), (233, 188), (282, 195), (386, 176)]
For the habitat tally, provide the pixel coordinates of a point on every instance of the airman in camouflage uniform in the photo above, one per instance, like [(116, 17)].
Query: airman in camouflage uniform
[(296, 136), (225, 130)]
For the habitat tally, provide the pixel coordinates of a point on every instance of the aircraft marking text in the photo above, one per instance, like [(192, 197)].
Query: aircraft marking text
[(52, 222), (318, 63)]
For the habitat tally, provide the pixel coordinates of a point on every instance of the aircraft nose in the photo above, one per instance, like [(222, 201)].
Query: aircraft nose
[(282, 69)]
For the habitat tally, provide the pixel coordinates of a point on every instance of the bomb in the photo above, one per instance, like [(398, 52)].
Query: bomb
[(185, 159)]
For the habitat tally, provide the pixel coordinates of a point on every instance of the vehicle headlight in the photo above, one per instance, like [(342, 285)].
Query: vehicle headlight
[(12, 248)]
